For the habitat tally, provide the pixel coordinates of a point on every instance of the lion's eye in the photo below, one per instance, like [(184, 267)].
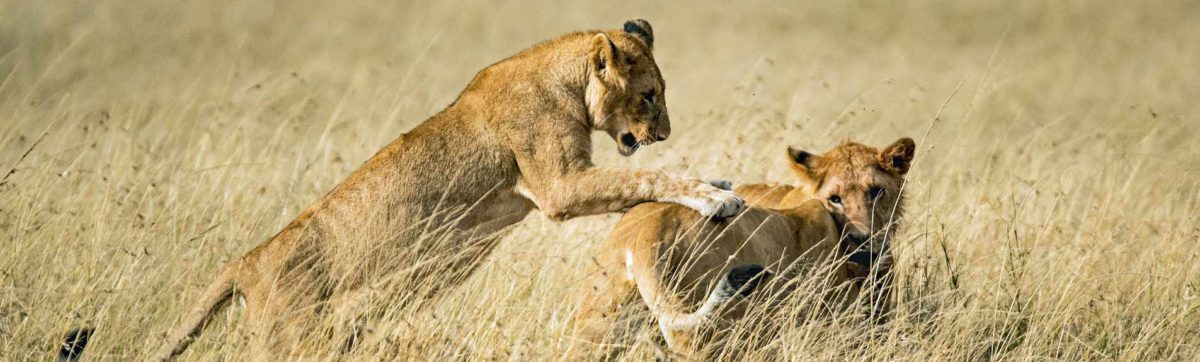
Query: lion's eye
[(648, 97), (835, 199), (876, 192)]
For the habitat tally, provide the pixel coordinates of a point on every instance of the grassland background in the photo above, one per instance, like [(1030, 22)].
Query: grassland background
[(1052, 209)]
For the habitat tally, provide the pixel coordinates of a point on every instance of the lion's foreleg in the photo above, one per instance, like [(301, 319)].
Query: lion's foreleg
[(599, 190)]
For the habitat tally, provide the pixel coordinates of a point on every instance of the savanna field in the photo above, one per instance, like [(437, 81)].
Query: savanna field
[(1053, 209)]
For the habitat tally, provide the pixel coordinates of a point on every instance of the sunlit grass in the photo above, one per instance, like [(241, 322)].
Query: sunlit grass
[(1052, 210)]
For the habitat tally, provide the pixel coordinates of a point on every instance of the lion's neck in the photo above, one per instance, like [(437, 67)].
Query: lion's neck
[(797, 195), (555, 73)]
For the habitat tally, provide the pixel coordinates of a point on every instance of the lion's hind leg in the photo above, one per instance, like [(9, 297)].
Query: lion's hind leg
[(213, 300), (598, 317)]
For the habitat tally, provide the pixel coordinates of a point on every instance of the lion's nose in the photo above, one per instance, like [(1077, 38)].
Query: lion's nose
[(855, 233), (857, 239), (662, 134)]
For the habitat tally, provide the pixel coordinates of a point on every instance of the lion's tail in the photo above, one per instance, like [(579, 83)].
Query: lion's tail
[(667, 308), (73, 344), (214, 299)]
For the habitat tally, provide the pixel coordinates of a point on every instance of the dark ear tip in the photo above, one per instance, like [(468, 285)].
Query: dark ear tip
[(637, 24), (904, 146), (798, 155), (910, 147), (640, 28), (632, 28)]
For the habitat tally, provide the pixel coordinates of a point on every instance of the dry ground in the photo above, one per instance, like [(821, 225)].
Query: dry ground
[(1053, 206)]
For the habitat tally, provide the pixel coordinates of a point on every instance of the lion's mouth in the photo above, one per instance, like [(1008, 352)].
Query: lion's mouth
[(861, 252), (628, 144), (864, 258)]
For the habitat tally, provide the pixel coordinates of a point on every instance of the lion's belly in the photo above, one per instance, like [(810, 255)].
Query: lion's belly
[(495, 213), (420, 206)]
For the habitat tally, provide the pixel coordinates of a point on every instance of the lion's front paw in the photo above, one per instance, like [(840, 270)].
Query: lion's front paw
[(712, 201), (725, 203)]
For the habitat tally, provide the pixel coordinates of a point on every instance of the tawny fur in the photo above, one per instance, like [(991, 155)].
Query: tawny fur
[(672, 257), (434, 202)]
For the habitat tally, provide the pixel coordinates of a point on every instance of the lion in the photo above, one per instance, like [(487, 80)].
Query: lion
[(840, 216), (427, 208)]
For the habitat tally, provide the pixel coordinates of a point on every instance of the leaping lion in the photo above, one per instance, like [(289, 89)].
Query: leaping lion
[(433, 202)]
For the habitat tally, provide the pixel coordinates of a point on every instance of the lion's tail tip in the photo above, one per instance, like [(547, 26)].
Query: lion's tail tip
[(744, 279), (73, 344)]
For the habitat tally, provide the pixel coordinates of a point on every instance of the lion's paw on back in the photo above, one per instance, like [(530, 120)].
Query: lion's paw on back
[(711, 201)]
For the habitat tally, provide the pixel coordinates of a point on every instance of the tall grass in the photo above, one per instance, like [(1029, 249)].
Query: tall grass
[(1052, 209)]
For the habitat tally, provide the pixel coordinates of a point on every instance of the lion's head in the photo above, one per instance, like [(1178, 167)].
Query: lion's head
[(861, 187), (625, 89)]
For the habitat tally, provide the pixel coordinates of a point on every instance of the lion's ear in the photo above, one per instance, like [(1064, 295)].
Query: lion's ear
[(898, 157), (804, 164), (641, 29), (604, 56)]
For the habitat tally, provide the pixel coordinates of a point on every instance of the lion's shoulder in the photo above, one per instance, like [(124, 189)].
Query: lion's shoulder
[(765, 194)]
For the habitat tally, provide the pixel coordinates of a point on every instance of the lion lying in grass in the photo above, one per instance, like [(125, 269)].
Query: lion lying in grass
[(842, 213)]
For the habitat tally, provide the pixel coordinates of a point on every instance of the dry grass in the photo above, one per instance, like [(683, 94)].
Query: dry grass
[(1053, 207)]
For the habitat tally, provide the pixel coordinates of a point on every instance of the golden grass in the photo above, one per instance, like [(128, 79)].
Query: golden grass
[(1052, 209)]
